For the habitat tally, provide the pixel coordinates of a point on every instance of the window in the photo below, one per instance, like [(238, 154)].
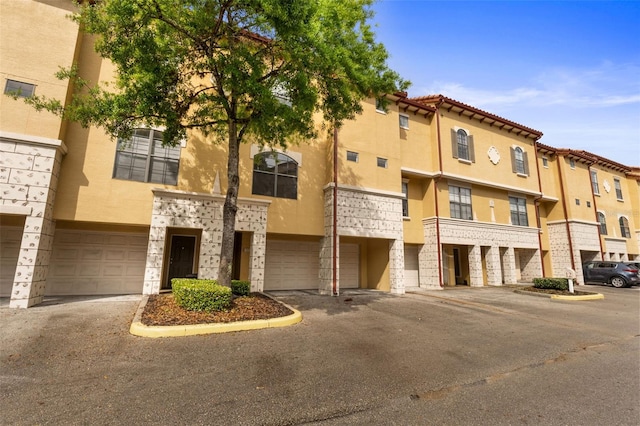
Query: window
[(462, 145), (19, 89), (404, 121), (143, 158), (624, 227), (545, 162), (382, 162), (572, 163), (381, 106), (616, 185), (602, 220), (519, 161), (588, 203), (275, 175), (352, 156), (518, 207), (594, 182), (577, 201), (460, 202), (405, 199)]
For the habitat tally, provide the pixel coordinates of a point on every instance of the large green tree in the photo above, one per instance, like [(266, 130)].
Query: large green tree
[(233, 69)]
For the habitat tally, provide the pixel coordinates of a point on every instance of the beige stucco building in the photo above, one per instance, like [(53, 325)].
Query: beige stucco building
[(428, 192)]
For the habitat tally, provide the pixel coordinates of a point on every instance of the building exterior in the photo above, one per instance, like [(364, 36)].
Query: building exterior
[(426, 193)]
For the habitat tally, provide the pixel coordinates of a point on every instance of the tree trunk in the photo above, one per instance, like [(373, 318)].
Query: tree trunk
[(230, 208)]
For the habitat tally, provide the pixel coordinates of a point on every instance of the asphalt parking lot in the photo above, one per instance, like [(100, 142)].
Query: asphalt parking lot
[(460, 356)]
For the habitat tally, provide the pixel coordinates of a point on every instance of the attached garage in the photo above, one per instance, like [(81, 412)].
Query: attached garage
[(411, 278), (292, 265), (91, 262)]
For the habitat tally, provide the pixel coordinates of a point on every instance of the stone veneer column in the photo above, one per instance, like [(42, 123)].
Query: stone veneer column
[(257, 262), (509, 263), (428, 266), (531, 266), (396, 266), (29, 172), (475, 266), (326, 266), (494, 269)]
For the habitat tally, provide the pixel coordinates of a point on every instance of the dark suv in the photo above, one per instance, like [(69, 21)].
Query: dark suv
[(618, 274)]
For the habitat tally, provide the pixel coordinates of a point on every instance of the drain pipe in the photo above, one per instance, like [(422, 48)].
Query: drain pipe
[(566, 215), (536, 203), (335, 211), (435, 195), (595, 210)]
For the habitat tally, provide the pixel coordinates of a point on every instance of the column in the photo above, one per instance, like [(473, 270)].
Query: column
[(475, 266), (509, 265), (396, 266), (494, 269)]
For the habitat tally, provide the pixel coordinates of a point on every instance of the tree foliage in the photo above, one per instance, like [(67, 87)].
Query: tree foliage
[(231, 69)]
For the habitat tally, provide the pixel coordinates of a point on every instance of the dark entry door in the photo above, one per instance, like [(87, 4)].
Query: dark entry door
[(183, 248)]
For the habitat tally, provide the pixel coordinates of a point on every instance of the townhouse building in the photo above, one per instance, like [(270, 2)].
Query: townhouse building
[(415, 193)]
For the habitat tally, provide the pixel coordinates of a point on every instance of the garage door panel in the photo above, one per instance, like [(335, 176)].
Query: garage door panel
[(411, 276), (88, 262), (349, 266), (292, 265)]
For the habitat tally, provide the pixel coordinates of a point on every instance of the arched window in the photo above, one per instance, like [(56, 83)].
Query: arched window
[(519, 158), (602, 220), (624, 227), (276, 175), (463, 144)]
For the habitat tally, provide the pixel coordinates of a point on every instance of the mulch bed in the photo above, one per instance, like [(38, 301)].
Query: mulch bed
[(552, 291), (162, 309)]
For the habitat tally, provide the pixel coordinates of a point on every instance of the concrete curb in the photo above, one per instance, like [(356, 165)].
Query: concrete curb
[(561, 297), (139, 329)]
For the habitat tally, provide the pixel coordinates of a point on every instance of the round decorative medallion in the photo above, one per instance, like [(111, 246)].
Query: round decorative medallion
[(494, 155), (606, 185)]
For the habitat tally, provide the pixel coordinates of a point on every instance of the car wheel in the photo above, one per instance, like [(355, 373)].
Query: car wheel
[(618, 282)]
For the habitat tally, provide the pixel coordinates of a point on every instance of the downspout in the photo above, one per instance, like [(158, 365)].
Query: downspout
[(334, 228), (595, 210), (566, 215), (435, 192), (536, 202)]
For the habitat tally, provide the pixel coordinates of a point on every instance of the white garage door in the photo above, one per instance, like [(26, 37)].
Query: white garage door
[(292, 265), (349, 266), (87, 262), (10, 238), (411, 266)]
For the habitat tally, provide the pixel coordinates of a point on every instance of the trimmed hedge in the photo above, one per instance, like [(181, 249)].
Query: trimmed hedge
[(201, 295), (551, 283), (240, 288)]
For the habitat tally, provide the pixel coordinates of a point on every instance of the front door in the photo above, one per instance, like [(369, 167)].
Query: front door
[(182, 252)]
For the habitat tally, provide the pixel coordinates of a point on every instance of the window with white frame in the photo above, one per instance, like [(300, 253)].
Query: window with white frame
[(19, 88), (404, 121), (545, 162), (594, 182), (462, 145), (352, 156), (381, 106), (460, 202), (602, 221), (275, 175), (382, 162), (519, 161), (616, 185), (572, 163), (624, 227), (518, 208), (405, 198), (143, 158)]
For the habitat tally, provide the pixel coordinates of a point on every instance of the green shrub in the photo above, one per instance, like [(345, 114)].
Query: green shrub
[(240, 288), (201, 295), (551, 283)]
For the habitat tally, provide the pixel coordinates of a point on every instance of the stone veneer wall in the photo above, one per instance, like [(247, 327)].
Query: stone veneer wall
[(616, 247), (584, 237), (368, 214), (499, 241), (181, 209), (29, 172)]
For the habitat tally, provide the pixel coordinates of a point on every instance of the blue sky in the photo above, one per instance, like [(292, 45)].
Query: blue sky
[(570, 69)]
